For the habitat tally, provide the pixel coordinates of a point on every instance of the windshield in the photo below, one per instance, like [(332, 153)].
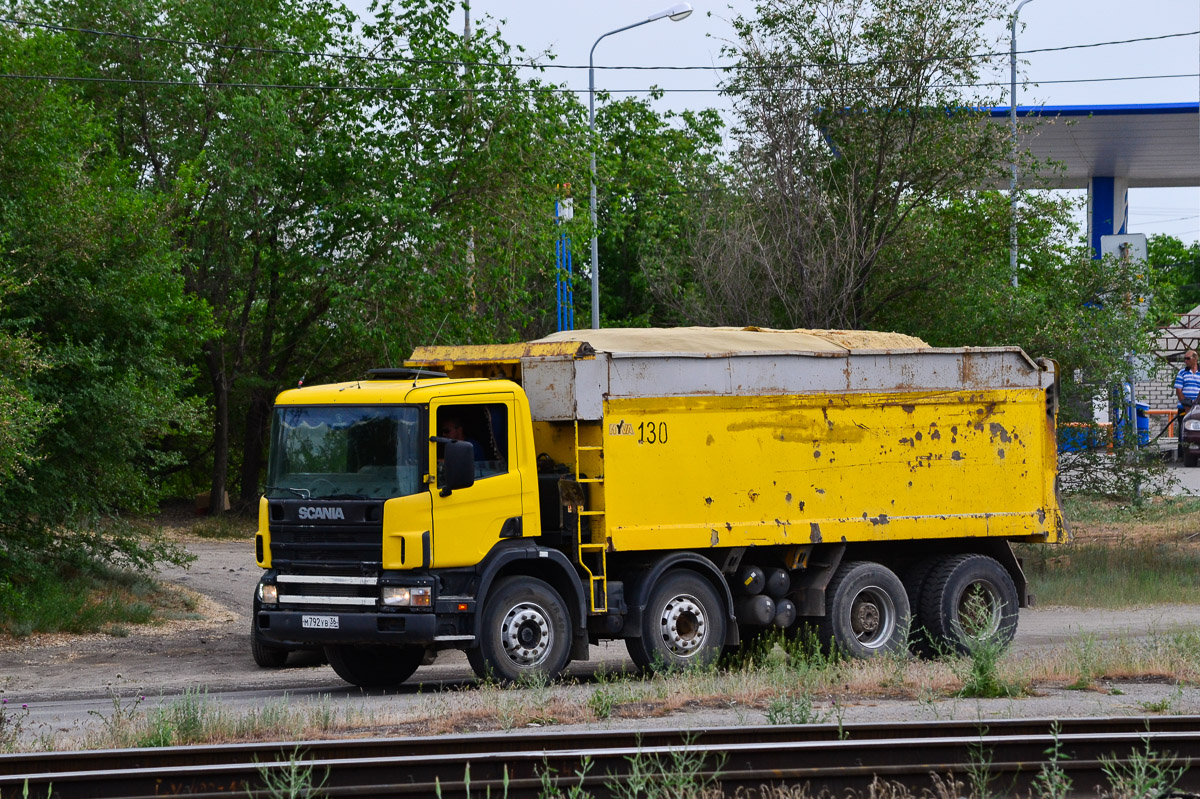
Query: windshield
[(345, 452)]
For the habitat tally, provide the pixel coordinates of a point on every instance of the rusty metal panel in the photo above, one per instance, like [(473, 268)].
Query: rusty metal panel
[(681, 375), (671, 376), (549, 384), (813, 468), (492, 353), (562, 389), (591, 388)]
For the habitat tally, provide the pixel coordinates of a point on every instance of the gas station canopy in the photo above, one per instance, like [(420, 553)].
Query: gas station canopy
[(1108, 149), (1142, 146)]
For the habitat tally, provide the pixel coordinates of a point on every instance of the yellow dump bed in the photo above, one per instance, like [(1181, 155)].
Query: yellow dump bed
[(701, 437)]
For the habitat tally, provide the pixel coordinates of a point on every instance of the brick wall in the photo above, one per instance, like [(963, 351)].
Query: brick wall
[(1158, 394)]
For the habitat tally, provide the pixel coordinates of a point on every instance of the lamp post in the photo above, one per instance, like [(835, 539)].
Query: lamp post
[(675, 13), (1012, 112)]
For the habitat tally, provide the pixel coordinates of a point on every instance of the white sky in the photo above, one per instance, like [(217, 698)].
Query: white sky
[(569, 27)]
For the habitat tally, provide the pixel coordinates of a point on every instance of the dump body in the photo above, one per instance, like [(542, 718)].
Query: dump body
[(678, 489), (720, 449)]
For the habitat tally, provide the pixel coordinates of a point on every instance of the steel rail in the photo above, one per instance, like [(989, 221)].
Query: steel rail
[(512, 764)]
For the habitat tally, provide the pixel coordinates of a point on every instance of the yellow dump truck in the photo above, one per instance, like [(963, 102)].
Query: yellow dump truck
[(682, 490)]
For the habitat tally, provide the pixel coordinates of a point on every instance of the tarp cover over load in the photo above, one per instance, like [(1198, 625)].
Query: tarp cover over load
[(729, 340)]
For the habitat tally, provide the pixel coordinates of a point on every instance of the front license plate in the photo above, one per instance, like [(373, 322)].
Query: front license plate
[(319, 622)]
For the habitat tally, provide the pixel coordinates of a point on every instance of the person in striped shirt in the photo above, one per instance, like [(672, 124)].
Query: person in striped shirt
[(1187, 382)]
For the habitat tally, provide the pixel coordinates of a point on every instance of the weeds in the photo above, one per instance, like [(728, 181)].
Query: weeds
[(290, 779), (1084, 649), (120, 724), (981, 676), (1145, 773), (1052, 781), (1167, 704), (679, 774), (601, 702), (552, 788), (12, 724), (793, 707), (979, 768)]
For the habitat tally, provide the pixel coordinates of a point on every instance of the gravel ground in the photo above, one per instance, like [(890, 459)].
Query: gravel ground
[(68, 681)]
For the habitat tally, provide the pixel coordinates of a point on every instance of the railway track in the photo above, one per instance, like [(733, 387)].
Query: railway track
[(512, 764)]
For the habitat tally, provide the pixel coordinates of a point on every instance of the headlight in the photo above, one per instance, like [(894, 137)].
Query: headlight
[(1192, 424), (404, 596), (269, 594), (396, 596)]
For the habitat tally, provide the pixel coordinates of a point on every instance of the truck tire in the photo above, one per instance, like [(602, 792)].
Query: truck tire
[(968, 599), (265, 655), (525, 629), (369, 666), (1189, 460), (683, 624), (866, 610), (914, 578)]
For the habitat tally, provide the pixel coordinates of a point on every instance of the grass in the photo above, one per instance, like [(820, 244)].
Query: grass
[(100, 599), (229, 527), (1121, 555), (802, 686)]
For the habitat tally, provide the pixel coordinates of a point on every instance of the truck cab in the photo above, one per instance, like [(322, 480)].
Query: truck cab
[(377, 533)]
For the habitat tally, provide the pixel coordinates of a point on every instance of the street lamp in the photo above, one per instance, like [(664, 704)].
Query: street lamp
[(675, 13), (1012, 184)]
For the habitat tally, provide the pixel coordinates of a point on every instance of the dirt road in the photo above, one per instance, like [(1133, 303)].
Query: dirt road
[(62, 678)]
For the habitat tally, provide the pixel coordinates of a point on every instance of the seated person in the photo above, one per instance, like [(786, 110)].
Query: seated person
[(451, 426)]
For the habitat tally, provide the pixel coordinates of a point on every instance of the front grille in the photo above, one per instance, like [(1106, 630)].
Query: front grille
[(327, 545), (326, 534)]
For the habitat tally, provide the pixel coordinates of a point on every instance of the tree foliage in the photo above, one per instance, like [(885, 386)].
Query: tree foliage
[(656, 175), (852, 116), (93, 322), (339, 188)]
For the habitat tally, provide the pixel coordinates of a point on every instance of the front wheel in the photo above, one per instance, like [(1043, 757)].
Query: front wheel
[(374, 666), (866, 610), (683, 624), (969, 600), (1189, 460), (266, 655), (525, 630)]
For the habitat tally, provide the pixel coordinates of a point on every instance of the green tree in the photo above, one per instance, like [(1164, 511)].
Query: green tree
[(852, 116), (1178, 266), (93, 318), (340, 188), (656, 175)]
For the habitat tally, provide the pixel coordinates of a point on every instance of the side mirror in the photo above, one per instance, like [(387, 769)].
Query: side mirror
[(458, 466)]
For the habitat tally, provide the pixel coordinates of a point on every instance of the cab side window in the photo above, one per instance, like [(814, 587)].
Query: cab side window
[(485, 427)]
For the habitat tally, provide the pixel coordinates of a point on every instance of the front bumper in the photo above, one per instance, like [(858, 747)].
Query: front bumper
[(286, 628)]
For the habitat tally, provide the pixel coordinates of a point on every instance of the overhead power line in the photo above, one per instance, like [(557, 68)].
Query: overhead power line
[(548, 89), (533, 65)]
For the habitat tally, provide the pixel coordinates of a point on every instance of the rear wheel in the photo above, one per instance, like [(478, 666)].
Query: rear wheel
[(683, 624), (969, 600), (371, 666), (914, 578), (525, 629), (866, 610)]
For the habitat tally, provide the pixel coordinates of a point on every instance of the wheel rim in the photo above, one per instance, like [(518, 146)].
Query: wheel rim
[(979, 610), (873, 617), (683, 625), (526, 634)]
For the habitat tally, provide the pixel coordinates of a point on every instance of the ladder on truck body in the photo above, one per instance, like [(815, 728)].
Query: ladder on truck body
[(593, 553)]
